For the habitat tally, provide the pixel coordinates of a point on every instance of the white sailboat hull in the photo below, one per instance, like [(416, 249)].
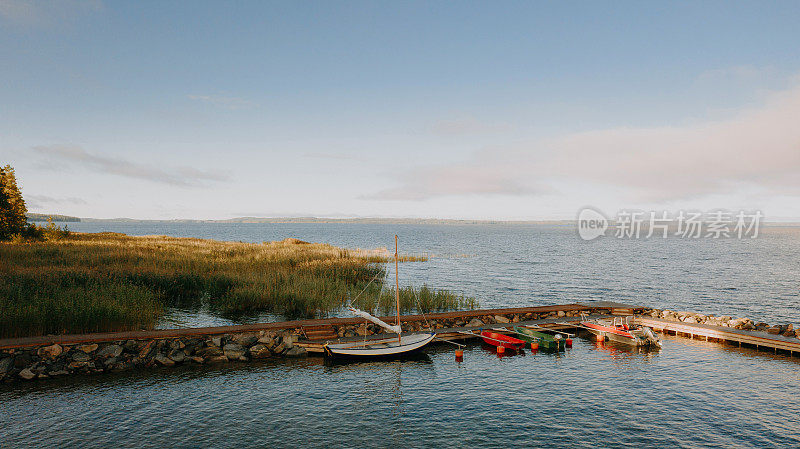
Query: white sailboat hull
[(382, 347)]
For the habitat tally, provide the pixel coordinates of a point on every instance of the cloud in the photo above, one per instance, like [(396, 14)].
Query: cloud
[(758, 148), (41, 201), (178, 176), (42, 13), (223, 101), (470, 179)]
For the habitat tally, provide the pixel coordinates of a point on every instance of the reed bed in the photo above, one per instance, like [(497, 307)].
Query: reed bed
[(111, 282)]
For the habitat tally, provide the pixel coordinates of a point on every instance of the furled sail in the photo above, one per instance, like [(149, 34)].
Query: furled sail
[(361, 313)]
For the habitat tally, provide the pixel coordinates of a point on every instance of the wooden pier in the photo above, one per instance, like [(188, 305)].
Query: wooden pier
[(725, 335)]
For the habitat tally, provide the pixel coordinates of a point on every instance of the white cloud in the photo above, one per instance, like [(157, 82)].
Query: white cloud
[(179, 176), (757, 148)]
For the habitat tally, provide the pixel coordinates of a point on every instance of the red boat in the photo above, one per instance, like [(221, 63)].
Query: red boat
[(621, 331), (497, 339)]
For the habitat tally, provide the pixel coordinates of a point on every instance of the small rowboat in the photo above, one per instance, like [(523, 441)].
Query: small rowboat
[(497, 339), (622, 331), (547, 342)]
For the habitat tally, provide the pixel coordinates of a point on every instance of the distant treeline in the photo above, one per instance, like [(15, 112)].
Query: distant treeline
[(54, 217)]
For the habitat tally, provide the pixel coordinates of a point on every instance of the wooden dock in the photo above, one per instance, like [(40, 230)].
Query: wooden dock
[(725, 335)]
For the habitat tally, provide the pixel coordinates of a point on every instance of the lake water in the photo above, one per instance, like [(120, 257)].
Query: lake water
[(689, 394)]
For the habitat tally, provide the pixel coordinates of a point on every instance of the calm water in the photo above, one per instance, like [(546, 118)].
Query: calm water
[(689, 394)]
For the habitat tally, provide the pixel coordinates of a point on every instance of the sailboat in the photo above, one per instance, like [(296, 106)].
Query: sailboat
[(383, 346)]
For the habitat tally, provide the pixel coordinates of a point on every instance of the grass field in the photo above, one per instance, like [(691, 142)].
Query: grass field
[(109, 282)]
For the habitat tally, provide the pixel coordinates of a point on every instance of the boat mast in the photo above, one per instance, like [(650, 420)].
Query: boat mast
[(397, 285)]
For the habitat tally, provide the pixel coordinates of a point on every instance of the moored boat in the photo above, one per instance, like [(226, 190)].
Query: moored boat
[(546, 341), (502, 340), (621, 331), (382, 347)]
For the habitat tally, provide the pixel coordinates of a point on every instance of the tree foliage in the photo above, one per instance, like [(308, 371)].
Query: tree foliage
[(13, 212)]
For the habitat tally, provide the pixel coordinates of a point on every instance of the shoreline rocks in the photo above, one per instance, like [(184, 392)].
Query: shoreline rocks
[(80, 359)]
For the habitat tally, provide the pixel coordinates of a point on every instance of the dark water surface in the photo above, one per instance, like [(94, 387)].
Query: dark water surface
[(689, 394)]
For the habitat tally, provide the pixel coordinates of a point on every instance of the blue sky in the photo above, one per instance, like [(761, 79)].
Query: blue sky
[(488, 110)]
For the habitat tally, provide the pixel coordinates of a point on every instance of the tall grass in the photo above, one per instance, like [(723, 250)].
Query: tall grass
[(107, 281)]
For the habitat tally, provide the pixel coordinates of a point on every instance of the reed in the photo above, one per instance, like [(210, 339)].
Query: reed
[(110, 282)]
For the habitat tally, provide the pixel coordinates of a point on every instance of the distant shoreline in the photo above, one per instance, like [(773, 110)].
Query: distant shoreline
[(357, 220)]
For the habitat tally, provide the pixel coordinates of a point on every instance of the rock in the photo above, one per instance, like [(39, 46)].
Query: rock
[(109, 362), (211, 351), (288, 341), (78, 365), (109, 351), (233, 351), (177, 356), (51, 351), (501, 319), (88, 348), (217, 341), (279, 349), (5, 365), (690, 320), (22, 360), (268, 341), (196, 359), (163, 360), (748, 326), (216, 359), (259, 351), (561, 314), (295, 351), (57, 373), (131, 346), (146, 349), (774, 330), (27, 374), (80, 357), (246, 339), (515, 319), (475, 322)]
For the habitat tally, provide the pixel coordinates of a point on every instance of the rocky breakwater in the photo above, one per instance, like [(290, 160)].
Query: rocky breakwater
[(364, 329), (787, 330), (90, 358)]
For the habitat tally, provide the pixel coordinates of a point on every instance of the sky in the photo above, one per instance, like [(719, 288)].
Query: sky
[(466, 110)]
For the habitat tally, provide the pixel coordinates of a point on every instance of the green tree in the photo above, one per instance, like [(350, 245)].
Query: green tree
[(13, 219)]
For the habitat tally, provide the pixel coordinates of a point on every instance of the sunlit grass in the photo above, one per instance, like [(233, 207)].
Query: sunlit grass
[(107, 282)]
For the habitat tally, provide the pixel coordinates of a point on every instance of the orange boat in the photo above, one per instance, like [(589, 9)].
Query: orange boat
[(498, 339)]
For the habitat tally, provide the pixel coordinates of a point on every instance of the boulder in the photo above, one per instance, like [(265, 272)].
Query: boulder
[(259, 351), (27, 374), (177, 356), (216, 341), (195, 359), (501, 319), (279, 349), (561, 314), (176, 344), (145, 350), (211, 351), (51, 351), (216, 359), (88, 348), (22, 360), (163, 360), (109, 351), (131, 346), (233, 351), (690, 320), (80, 357), (296, 351), (475, 322), (5, 365), (774, 330), (246, 339), (288, 341), (268, 341)]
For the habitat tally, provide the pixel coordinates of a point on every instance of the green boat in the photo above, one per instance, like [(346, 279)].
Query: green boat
[(547, 342)]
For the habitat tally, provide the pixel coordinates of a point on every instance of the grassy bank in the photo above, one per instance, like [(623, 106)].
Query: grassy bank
[(106, 282)]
